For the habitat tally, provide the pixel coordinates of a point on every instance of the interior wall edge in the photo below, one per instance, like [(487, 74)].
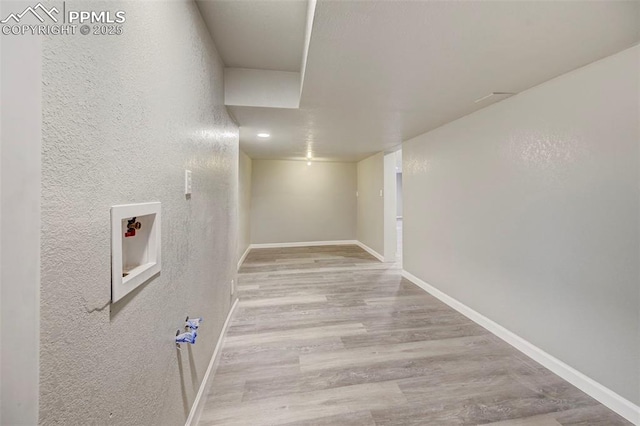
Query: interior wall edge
[(20, 225)]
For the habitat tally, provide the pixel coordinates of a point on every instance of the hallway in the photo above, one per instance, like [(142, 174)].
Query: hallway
[(330, 336), (348, 212)]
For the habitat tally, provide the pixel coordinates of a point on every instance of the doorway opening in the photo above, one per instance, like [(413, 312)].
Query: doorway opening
[(393, 207), (399, 206)]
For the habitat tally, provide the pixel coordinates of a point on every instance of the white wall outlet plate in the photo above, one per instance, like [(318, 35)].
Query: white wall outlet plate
[(135, 246)]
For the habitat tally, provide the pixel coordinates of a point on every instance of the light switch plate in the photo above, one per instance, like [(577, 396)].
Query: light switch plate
[(187, 182)]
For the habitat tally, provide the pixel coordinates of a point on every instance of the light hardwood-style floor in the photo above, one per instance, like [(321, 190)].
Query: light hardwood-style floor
[(331, 336)]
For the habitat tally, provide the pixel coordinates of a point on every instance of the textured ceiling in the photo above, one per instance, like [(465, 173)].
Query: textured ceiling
[(261, 34), (380, 72)]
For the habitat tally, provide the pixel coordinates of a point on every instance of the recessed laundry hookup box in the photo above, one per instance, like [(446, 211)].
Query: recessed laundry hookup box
[(135, 246)]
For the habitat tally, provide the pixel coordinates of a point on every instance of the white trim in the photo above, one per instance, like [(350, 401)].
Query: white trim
[(198, 402), (371, 251), (321, 243), (121, 285), (244, 256), (305, 244), (606, 396)]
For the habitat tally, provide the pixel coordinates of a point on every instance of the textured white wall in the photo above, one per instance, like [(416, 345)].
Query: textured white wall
[(20, 131), (124, 116), (244, 203), (294, 202), (370, 203), (527, 211)]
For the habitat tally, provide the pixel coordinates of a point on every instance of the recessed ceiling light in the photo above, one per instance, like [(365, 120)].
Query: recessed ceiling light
[(308, 163), (263, 135)]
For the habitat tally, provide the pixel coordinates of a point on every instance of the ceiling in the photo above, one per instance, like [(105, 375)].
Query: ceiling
[(381, 72), (258, 34)]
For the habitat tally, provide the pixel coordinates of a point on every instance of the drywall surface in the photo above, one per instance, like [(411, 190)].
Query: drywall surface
[(371, 202), (261, 88), (124, 116), (20, 131), (244, 204), (527, 211), (294, 202)]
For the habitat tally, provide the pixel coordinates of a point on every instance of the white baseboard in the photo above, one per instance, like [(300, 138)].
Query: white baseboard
[(371, 251), (321, 243), (201, 396), (244, 256), (304, 244), (604, 395)]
